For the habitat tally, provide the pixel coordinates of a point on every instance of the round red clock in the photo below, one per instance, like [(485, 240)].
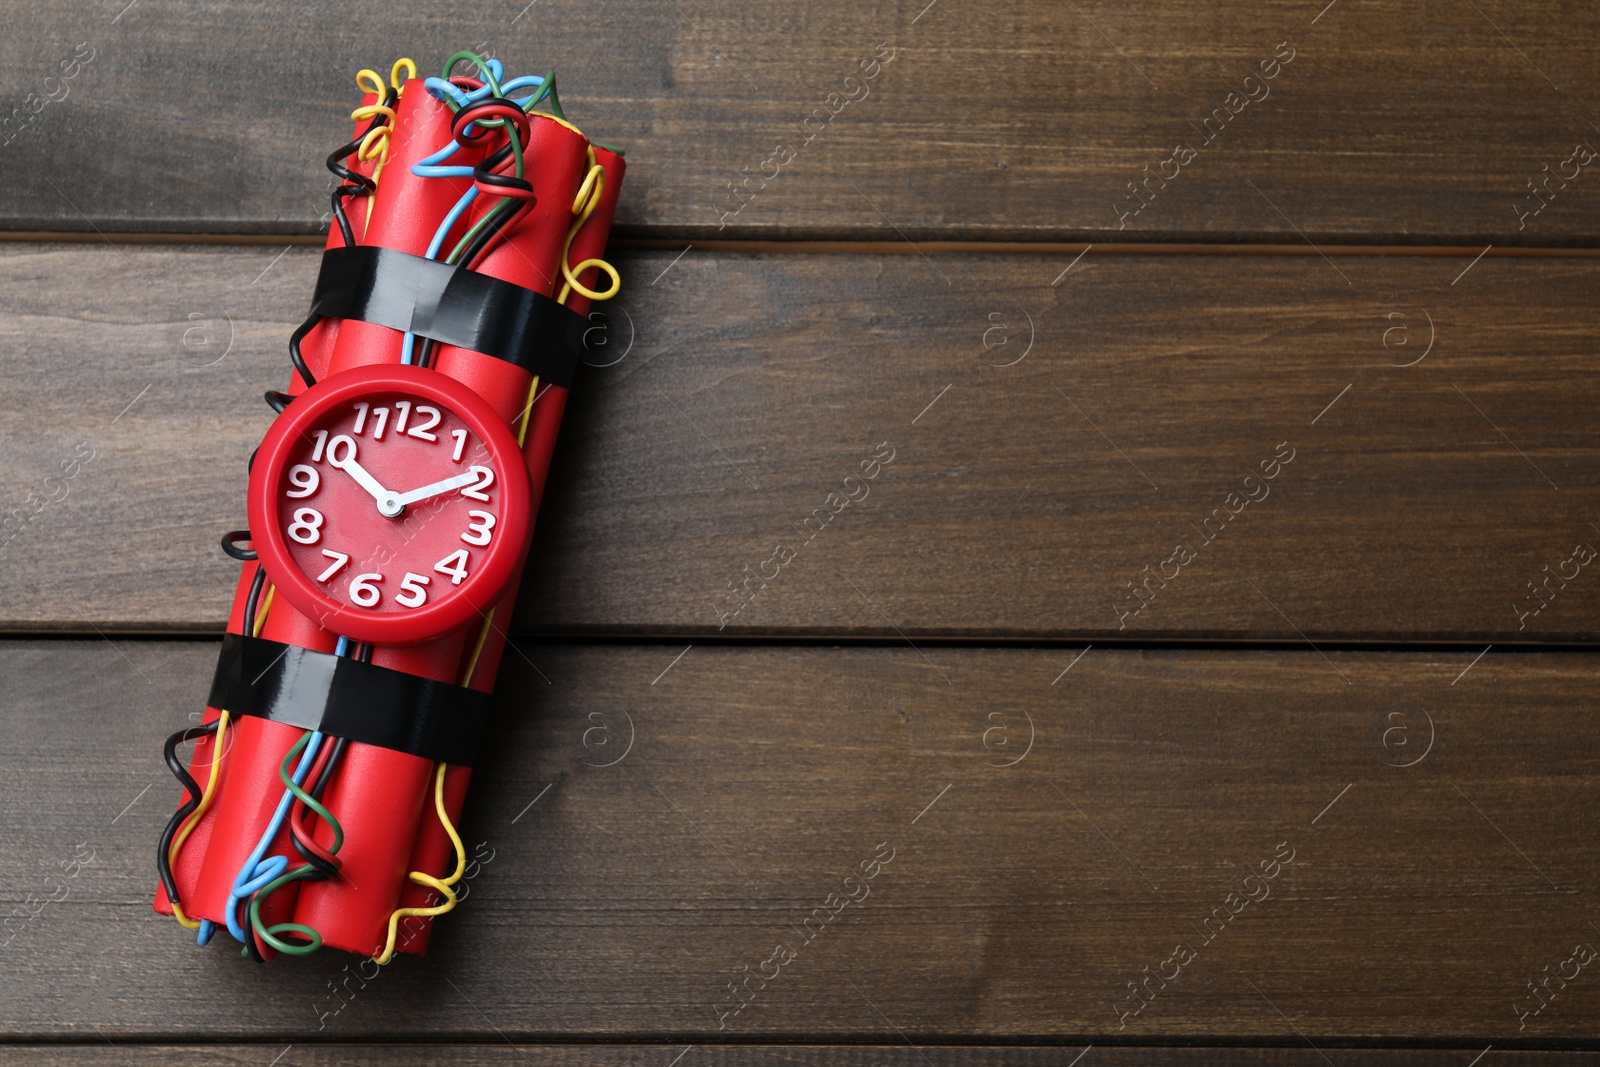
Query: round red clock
[(390, 503)]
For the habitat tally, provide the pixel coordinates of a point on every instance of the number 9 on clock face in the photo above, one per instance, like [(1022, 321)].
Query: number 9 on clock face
[(390, 504)]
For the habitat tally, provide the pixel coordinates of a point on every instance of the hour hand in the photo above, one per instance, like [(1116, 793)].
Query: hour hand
[(389, 504), (457, 482)]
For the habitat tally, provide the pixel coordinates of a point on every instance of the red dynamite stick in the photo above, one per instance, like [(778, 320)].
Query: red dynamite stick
[(529, 256), (434, 850), (377, 794), (249, 794), (187, 874), (315, 348)]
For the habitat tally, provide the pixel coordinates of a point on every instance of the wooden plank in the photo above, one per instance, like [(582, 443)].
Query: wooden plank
[(1021, 501), (659, 1055), (650, 827), (1014, 121)]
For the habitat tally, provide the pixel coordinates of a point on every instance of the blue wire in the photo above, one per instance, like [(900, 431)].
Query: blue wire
[(430, 168), (257, 872)]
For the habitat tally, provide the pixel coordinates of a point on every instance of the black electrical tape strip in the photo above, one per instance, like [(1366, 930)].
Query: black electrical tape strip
[(452, 305), (344, 697)]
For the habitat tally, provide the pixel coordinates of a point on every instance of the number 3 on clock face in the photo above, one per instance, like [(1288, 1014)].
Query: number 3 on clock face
[(390, 504)]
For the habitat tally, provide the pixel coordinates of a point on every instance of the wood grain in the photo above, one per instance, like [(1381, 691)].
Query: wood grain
[(1019, 120), (504, 1054), (1021, 500), (648, 828)]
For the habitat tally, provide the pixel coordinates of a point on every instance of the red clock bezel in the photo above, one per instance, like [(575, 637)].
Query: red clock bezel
[(478, 592)]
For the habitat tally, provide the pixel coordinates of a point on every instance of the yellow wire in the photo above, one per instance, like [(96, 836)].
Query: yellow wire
[(376, 143), (477, 650), (394, 73), (527, 410), (488, 620), (194, 818), (557, 118), (443, 886), (588, 198), (211, 782), (261, 615)]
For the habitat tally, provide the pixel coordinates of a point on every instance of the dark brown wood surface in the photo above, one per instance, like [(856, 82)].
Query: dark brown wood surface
[(1071, 375), (649, 825), (1021, 499), (507, 1053), (1020, 120)]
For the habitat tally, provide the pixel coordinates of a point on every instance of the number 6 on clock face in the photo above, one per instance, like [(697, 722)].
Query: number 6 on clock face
[(390, 504)]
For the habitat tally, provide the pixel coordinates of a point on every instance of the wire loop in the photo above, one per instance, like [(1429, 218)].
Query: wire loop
[(230, 545)]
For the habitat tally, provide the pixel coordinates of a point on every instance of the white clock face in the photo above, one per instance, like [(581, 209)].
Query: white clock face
[(388, 503)]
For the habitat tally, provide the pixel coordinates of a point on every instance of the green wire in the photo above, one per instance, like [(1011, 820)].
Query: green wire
[(466, 239), (547, 91), (499, 209), (483, 68), (269, 933)]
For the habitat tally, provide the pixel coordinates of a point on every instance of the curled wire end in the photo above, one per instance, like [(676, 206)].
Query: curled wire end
[(276, 400), (409, 66), (604, 267), (230, 545), (445, 886), (370, 81)]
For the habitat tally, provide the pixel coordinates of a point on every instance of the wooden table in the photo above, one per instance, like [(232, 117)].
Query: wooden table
[(1204, 671)]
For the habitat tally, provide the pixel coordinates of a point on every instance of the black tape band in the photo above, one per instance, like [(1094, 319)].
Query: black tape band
[(452, 305), (346, 698)]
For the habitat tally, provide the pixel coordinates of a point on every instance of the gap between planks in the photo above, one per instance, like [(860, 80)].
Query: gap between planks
[(1421, 646), (906, 248)]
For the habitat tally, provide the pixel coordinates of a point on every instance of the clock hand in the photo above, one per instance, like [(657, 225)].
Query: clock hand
[(388, 504), (436, 488)]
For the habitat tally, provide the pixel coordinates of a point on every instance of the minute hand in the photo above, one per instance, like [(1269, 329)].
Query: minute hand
[(436, 488)]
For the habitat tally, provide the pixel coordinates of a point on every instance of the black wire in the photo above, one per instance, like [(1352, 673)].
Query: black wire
[(295, 357), (327, 770), (250, 601), (180, 772), (276, 400), (353, 183), (243, 555), (325, 870), (480, 244), (337, 197), (425, 353), (252, 949), (484, 174)]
